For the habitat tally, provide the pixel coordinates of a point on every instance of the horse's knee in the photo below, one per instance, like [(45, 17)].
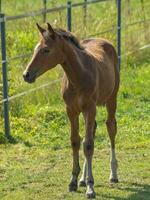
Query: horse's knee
[(88, 146), (112, 130), (75, 143), (111, 122), (111, 126)]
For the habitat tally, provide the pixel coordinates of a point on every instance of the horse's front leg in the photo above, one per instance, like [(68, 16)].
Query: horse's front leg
[(75, 143), (88, 146)]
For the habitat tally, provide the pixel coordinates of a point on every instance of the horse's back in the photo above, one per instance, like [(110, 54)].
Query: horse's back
[(101, 48)]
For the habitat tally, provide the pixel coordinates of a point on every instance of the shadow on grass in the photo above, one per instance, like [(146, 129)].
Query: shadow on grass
[(13, 140), (139, 192)]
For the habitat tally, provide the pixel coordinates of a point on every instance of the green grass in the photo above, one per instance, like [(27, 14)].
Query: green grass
[(100, 17), (33, 173), (36, 163)]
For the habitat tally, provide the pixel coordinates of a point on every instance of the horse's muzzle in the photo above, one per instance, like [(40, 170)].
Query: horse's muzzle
[(28, 77)]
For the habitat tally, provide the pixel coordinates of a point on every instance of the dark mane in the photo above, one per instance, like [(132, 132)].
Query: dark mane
[(70, 37)]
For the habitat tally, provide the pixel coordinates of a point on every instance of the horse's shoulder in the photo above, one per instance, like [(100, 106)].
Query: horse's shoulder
[(67, 89)]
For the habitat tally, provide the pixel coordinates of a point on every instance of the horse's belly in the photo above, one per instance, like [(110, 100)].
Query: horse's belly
[(103, 96), (106, 87)]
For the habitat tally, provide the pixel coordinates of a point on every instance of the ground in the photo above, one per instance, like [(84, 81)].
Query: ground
[(37, 163)]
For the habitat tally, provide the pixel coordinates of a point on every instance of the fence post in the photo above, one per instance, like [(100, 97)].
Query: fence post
[(69, 15), (0, 6), (85, 12), (45, 7), (85, 16), (4, 76), (119, 32)]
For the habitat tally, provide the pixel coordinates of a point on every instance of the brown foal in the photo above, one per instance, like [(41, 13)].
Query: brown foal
[(91, 78)]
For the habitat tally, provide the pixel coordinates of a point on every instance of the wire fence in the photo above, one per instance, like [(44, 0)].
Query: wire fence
[(51, 10), (31, 90), (3, 19)]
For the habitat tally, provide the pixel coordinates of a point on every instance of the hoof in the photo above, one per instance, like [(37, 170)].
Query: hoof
[(91, 195), (82, 183), (73, 187), (114, 180)]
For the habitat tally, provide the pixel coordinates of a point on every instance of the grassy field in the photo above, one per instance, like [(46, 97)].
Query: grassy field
[(36, 163)]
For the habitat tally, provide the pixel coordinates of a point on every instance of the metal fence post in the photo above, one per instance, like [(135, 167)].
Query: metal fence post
[(45, 7), (119, 31), (85, 16), (85, 12), (4, 76), (0, 6), (69, 16)]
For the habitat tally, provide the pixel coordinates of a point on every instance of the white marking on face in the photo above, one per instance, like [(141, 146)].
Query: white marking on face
[(37, 47)]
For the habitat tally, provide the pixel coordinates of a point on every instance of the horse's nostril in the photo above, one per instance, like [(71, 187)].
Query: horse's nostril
[(27, 75)]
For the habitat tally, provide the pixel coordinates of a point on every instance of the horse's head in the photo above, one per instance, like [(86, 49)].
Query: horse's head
[(47, 54)]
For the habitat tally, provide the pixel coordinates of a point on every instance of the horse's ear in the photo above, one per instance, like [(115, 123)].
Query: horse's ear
[(42, 30), (51, 30)]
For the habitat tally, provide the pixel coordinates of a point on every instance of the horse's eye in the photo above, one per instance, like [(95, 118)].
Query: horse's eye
[(46, 50)]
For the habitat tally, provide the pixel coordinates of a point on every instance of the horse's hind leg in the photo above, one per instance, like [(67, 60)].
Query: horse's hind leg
[(75, 143), (112, 131), (82, 182), (88, 146)]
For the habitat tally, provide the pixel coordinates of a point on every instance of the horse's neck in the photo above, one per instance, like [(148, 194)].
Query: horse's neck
[(73, 66)]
